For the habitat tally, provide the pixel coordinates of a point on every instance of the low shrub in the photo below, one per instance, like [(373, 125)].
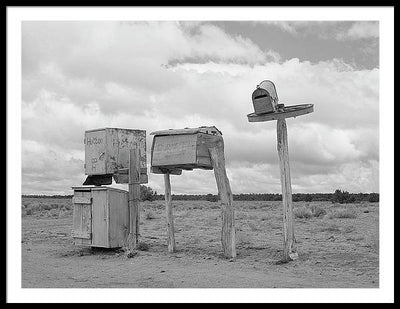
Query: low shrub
[(343, 213), (150, 215), (302, 212), (54, 212), (317, 211)]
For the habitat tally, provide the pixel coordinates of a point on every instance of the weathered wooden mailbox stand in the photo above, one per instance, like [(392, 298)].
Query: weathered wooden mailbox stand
[(186, 149), (266, 108), (105, 216)]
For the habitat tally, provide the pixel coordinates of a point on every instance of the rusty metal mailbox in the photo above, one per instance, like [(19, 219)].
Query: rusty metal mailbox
[(107, 155), (265, 98), (183, 149)]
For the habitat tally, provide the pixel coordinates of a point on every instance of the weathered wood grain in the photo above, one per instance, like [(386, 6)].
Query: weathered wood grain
[(134, 197), (169, 214), (100, 214), (82, 200), (118, 218), (174, 150), (82, 218), (289, 252), (228, 237), (107, 151)]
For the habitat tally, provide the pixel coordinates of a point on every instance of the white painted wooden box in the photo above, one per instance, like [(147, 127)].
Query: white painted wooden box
[(100, 216), (107, 151)]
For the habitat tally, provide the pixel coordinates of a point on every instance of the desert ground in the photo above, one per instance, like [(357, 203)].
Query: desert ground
[(338, 246)]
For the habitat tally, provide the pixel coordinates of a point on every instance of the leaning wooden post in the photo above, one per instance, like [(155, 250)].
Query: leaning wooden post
[(169, 214), (289, 249), (134, 198), (224, 190)]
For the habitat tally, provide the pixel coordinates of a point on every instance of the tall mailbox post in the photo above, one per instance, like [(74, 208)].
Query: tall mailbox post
[(194, 148), (266, 108), (105, 216)]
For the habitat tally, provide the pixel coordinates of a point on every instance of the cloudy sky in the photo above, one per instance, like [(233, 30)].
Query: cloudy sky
[(78, 76)]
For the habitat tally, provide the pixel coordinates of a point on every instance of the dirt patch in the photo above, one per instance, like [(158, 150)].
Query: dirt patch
[(333, 252)]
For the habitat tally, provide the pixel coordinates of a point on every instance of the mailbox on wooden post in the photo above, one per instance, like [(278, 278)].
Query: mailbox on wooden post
[(107, 155), (185, 149), (194, 148), (104, 216), (267, 108)]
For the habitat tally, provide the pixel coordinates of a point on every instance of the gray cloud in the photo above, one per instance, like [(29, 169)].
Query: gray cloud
[(78, 76)]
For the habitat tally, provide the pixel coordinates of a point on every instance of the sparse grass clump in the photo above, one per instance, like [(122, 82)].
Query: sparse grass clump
[(330, 228), (317, 211), (150, 215), (343, 213), (302, 212)]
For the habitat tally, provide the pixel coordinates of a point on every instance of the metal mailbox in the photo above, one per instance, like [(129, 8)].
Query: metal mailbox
[(265, 98), (107, 154), (184, 149), (100, 216)]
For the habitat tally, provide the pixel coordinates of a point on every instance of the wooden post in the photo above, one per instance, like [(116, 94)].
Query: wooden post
[(224, 190), (289, 251), (134, 198), (169, 214)]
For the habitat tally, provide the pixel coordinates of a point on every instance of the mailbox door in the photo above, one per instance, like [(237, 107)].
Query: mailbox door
[(82, 217), (95, 152), (100, 218)]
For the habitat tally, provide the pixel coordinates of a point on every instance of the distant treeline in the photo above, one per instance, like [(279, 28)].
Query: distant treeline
[(338, 196)]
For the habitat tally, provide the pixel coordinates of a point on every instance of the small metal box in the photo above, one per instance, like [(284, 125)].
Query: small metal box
[(265, 98), (182, 149), (100, 216), (107, 152)]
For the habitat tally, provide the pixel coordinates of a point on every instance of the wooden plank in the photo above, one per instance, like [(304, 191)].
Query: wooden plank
[(226, 199), (82, 218), (100, 218), (289, 251), (82, 200), (129, 139), (204, 129), (118, 218), (174, 150), (134, 198), (169, 214)]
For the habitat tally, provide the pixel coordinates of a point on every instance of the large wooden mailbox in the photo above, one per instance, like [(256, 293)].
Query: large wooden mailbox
[(194, 148), (107, 155), (100, 216), (184, 149)]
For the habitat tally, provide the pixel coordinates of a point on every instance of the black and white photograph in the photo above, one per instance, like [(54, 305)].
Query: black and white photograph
[(205, 154)]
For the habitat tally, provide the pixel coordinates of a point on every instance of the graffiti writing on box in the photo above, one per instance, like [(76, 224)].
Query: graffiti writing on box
[(94, 141)]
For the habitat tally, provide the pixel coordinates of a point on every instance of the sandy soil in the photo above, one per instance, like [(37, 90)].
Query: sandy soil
[(333, 252)]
